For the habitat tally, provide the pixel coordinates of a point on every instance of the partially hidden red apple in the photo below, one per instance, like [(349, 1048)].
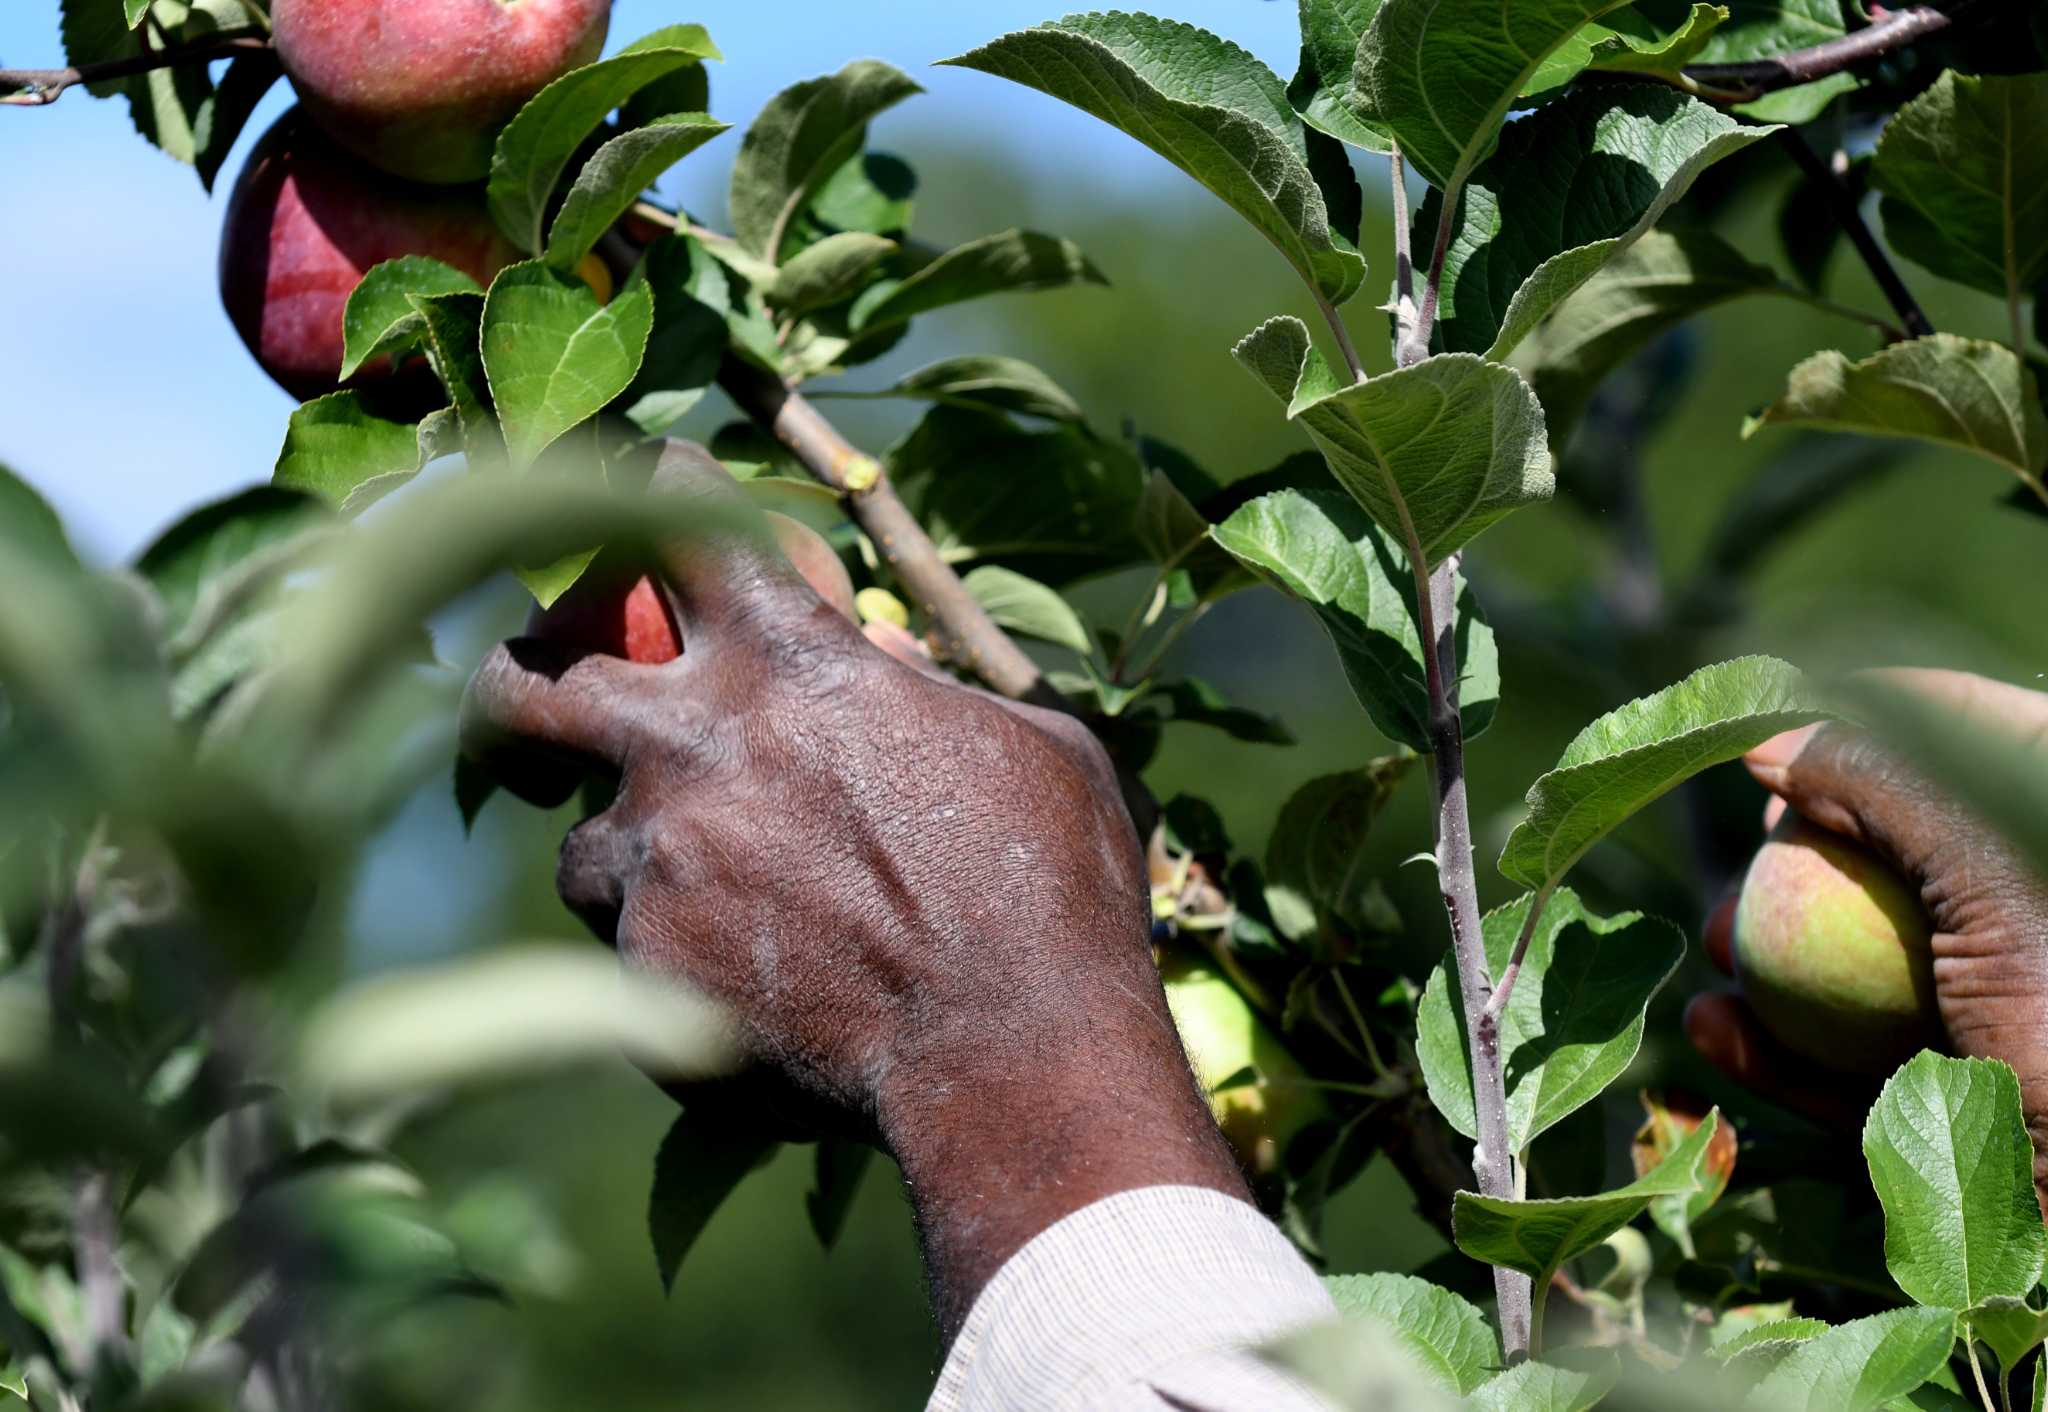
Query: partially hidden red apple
[(305, 222), (421, 87), (1833, 951), (624, 614)]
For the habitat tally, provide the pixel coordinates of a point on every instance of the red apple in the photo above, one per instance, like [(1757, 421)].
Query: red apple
[(305, 222), (621, 614), (421, 87)]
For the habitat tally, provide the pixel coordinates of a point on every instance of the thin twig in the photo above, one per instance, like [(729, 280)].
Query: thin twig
[(970, 636), (1752, 78), (33, 88), (1843, 205), (1492, 1161)]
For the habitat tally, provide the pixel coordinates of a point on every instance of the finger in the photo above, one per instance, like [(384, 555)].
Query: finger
[(593, 873), (537, 715), (728, 576), (1728, 1036), (904, 646), (1842, 779), (1718, 934), (1774, 810)]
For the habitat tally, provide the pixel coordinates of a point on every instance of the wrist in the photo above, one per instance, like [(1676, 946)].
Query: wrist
[(1004, 1120)]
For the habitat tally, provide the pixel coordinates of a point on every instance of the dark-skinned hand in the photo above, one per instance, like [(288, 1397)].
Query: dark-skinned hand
[(1988, 905), (923, 908)]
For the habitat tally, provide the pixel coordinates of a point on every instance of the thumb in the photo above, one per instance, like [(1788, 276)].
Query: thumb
[(1843, 780)]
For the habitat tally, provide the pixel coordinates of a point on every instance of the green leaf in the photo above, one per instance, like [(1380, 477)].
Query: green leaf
[(1319, 547), (1949, 1156), (804, 135), (1628, 44), (537, 145), (701, 1160), (1536, 1237), (1663, 279), (1636, 753), (994, 264), (1051, 504), (830, 271), (992, 382), (2009, 1326), (334, 446), (1027, 606), (1197, 702), (1330, 33), (1764, 1346), (1965, 393), (1542, 1387), (1572, 186), (1361, 1365), (29, 527), (1315, 856), (614, 177), (1862, 1364), (499, 1014), (1447, 1335), (1573, 1022), (840, 1166), (1205, 105), (554, 355), (242, 86), (688, 342), (1447, 128), (1435, 452), (379, 320), (870, 192), (454, 324), (1964, 174), (214, 547)]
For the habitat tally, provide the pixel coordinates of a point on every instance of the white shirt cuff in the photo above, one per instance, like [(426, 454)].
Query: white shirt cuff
[(1144, 1300)]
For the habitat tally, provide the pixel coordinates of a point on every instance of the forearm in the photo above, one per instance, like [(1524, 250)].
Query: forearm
[(1007, 1120)]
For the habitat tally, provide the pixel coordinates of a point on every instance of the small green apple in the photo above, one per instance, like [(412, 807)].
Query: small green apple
[(1223, 1036), (1832, 949)]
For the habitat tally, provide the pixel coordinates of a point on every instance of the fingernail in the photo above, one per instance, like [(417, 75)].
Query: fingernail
[(1769, 761)]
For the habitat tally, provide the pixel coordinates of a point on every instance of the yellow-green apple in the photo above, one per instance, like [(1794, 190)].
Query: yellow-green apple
[(1833, 951), (1223, 1037), (421, 87)]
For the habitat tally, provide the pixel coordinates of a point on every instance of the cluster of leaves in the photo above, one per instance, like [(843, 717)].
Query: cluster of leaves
[(198, 1208), (1566, 252), (1545, 250)]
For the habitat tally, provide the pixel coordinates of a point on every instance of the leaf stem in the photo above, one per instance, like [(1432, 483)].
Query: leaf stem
[(1343, 337), (34, 88), (1416, 347), (1977, 1372), (1372, 1050), (1851, 220), (1498, 1005), (1404, 255)]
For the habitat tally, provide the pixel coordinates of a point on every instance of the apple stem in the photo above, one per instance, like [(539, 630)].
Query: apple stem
[(34, 88)]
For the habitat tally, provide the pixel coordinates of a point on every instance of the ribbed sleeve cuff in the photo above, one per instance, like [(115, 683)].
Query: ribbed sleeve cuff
[(1147, 1299)]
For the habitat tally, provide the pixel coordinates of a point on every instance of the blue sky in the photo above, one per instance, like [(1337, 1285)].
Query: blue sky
[(125, 395)]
